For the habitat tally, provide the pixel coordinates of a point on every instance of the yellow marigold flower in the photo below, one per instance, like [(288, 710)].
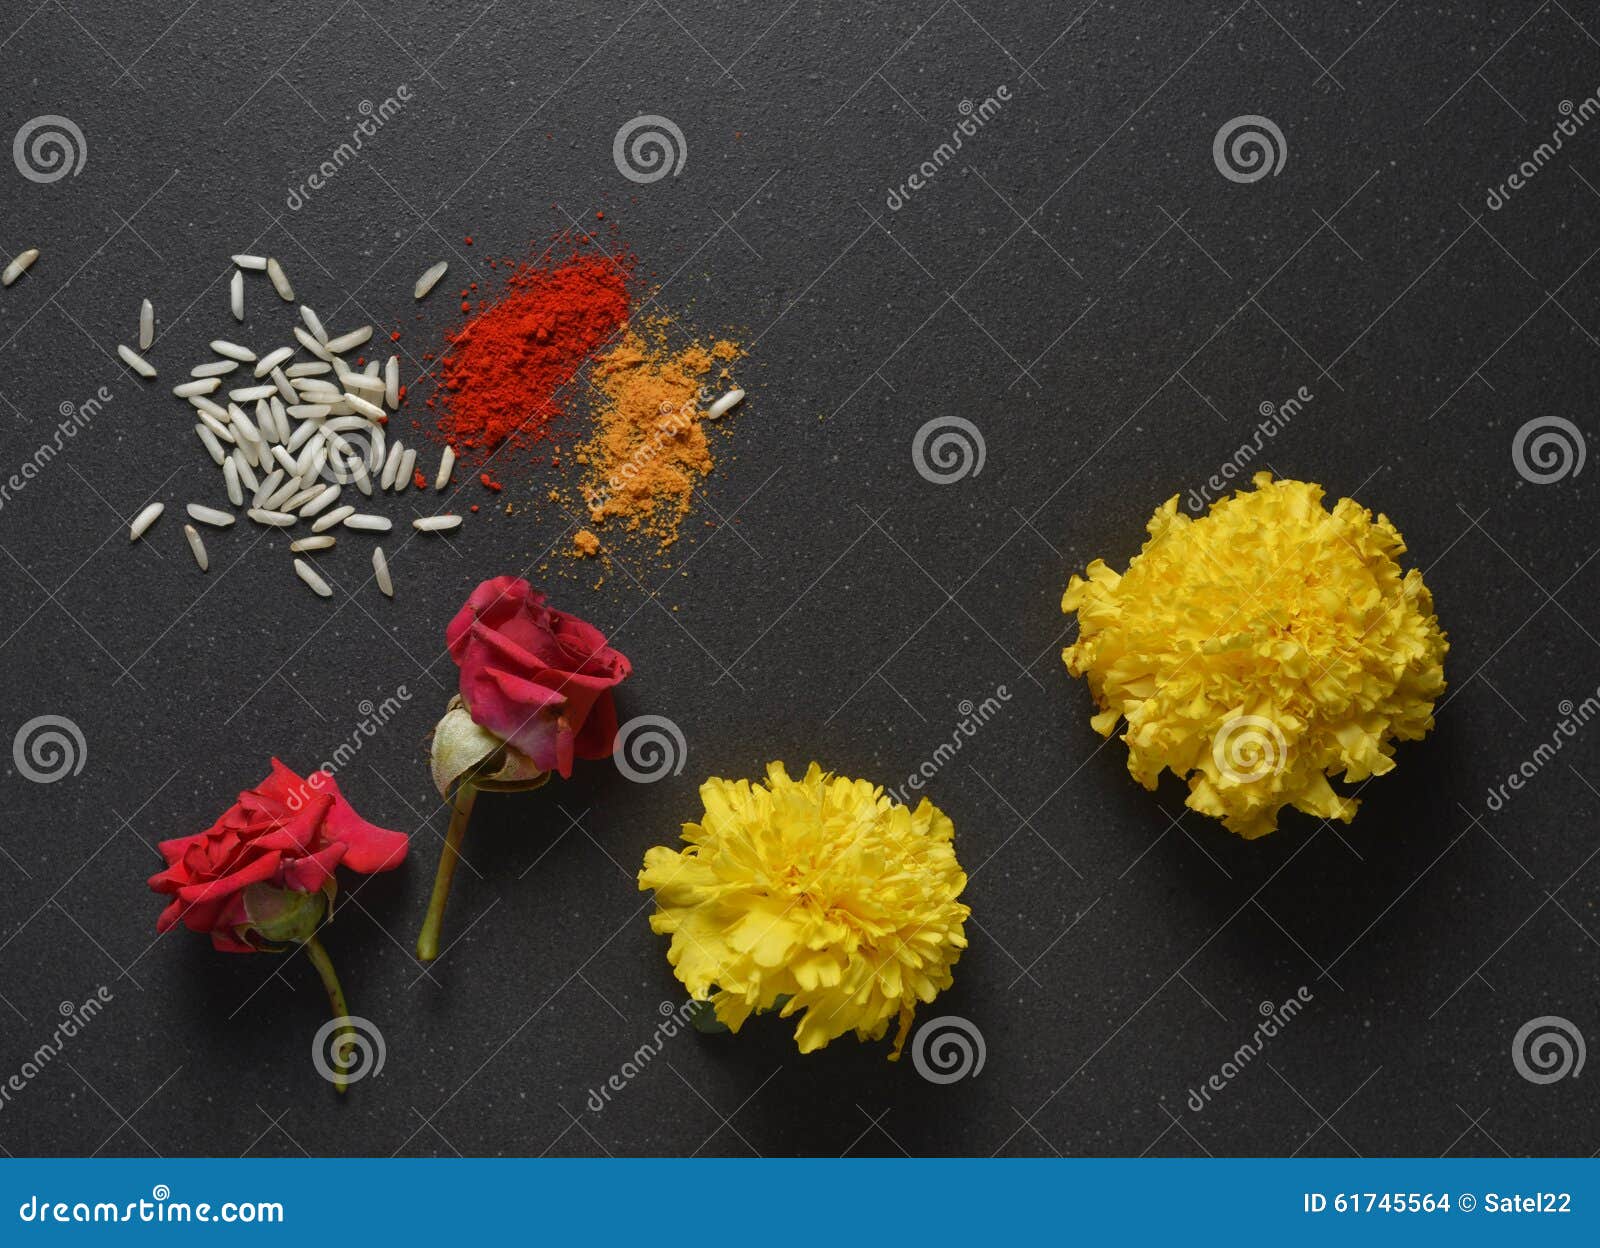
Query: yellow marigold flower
[(1259, 650), (822, 895)]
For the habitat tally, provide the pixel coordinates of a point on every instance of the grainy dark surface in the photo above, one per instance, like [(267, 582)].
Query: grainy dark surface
[(1084, 285)]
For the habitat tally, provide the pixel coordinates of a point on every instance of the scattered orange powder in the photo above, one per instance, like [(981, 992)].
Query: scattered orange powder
[(585, 543), (649, 449)]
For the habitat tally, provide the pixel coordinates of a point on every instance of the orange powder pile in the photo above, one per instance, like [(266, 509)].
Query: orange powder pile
[(649, 449)]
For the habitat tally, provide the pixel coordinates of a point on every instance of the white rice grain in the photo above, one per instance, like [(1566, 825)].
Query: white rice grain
[(447, 465), (209, 515), (323, 499), (321, 542), (243, 424), (144, 520), (367, 523), (429, 279), (364, 383), (218, 427), (286, 462), (286, 390), (313, 323), (348, 342), (724, 405), (308, 411), (214, 368), (254, 263), (236, 295), (216, 411), (308, 574), (204, 385), (230, 478), (197, 546), (299, 497), (436, 524), (233, 350), (249, 394), (380, 570), (408, 469), (347, 424), (272, 519), (135, 361), (147, 325), (286, 491), (212, 445), (391, 465), (267, 486), (311, 344), (301, 435), (366, 407), (272, 359), (19, 266), (391, 383), (247, 471), (279, 280), (332, 519), (311, 368)]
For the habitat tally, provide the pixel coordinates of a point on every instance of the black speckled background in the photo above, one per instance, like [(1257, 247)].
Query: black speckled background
[(1084, 285)]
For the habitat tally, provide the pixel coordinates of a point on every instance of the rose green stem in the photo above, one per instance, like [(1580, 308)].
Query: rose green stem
[(330, 980), (461, 812)]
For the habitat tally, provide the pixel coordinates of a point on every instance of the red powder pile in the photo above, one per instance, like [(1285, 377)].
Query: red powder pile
[(508, 363)]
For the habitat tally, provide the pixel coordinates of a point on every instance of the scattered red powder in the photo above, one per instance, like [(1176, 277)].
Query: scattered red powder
[(489, 483), (418, 480), (506, 365)]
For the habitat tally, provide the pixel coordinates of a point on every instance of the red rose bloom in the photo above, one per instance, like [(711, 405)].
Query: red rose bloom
[(535, 677), (286, 836)]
